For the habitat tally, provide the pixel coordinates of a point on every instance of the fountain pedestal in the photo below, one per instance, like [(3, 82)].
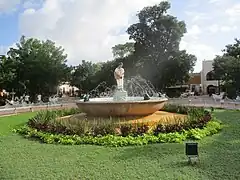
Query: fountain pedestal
[(120, 105), (120, 95)]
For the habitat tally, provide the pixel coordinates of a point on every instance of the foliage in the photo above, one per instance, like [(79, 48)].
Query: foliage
[(197, 118), (157, 36), (7, 71), (49, 121), (116, 141), (84, 75), (123, 50), (48, 124), (192, 123), (227, 68), (181, 109), (34, 67), (46, 120)]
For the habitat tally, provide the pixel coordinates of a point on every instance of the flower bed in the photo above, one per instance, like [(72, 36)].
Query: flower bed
[(47, 127)]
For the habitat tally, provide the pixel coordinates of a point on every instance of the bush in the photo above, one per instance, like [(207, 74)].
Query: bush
[(180, 109), (211, 127), (137, 129), (50, 128), (48, 121)]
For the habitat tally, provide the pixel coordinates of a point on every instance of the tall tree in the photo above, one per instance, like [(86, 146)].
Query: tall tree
[(123, 50), (83, 76), (157, 36), (7, 71), (227, 67), (38, 67), (105, 74)]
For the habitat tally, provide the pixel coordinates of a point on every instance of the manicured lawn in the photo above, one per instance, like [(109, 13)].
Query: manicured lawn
[(8, 123), (23, 159)]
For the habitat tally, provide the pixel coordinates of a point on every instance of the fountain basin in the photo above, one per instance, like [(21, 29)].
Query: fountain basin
[(133, 106)]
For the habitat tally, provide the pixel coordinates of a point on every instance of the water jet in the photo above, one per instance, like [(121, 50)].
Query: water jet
[(120, 104)]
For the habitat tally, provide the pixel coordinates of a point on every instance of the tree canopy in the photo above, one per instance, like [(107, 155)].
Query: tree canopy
[(84, 75), (227, 67), (123, 50), (33, 67), (157, 36)]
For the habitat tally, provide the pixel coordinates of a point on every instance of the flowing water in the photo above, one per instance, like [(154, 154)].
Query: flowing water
[(135, 87)]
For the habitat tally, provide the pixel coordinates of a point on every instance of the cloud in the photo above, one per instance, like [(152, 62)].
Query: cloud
[(86, 29), (233, 13), (197, 16), (193, 3), (191, 42), (222, 28), (8, 5), (217, 1), (201, 51), (3, 50), (218, 22), (32, 3), (194, 32)]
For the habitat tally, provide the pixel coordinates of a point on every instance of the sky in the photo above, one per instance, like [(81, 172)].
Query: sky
[(88, 29)]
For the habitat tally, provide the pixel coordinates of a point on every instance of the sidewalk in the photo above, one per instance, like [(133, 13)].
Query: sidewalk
[(17, 110)]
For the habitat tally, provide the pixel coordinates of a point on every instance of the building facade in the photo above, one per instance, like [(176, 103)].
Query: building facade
[(208, 83), (203, 82), (195, 83), (67, 89)]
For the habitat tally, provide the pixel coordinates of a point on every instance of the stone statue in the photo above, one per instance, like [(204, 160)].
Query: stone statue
[(119, 76)]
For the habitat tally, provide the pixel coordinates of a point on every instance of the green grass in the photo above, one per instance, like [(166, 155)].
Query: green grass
[(8, 123), (23, 159)]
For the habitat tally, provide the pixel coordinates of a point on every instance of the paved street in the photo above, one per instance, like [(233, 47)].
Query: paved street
[(206, 101)]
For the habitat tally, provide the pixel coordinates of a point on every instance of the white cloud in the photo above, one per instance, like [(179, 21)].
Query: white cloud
[(8, 5), (87, 29), (193, 3), (3, 50), (228, 28), (233, 12), (32, 3), (192, 44), (194, 31), (222, 28), (197, 16), (201, 51), (219, 25), (214, 28), (84, 28), (216, 1)]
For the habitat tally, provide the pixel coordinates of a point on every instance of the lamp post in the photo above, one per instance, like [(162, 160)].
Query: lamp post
[(191, 149)]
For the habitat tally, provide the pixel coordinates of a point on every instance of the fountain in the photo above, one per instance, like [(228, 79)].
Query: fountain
[(120, 104)]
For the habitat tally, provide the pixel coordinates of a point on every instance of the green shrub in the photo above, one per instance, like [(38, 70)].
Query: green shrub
[(211, 127), (48, 121), (181, 109), (138, 129)]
